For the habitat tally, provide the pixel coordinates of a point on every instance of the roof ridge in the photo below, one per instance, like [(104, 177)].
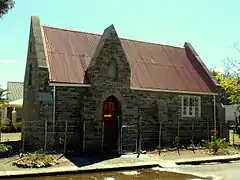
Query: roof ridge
[(14, 82), (135, 40)]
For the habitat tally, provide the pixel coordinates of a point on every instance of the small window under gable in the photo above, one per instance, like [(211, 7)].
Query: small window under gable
[(112, 69), (30, 75), (191, 106)]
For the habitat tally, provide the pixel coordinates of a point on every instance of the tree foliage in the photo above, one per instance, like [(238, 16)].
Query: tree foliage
[(3, 93), (5, 6), (229, 80), (231, 85)]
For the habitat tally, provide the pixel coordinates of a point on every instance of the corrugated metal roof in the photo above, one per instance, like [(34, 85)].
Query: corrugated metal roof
[(15, 91), (153, 66)]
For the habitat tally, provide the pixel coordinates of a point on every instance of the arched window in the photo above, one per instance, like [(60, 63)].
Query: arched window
[(112, 69)]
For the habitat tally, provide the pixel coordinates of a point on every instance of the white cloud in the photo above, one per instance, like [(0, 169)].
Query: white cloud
[(7, 61), (223, 70), (236, 70), (220, 69)]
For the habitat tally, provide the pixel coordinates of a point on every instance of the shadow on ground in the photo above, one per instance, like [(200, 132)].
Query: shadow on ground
[(81, 160)]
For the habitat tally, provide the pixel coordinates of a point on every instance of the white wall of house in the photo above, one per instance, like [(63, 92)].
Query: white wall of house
[(230, 109), (3, 113)]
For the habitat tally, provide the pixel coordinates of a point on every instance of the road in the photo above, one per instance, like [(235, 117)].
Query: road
[(222, 171)]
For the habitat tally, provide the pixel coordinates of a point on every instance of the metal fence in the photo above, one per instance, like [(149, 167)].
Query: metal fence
[(44, 137), (143, 135), (93, 131), (161, 135)]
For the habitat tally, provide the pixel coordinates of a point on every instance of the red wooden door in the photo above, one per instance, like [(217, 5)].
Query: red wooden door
[(110, 125)]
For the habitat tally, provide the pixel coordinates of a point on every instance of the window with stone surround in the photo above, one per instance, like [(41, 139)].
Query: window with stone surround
[(191, 106)]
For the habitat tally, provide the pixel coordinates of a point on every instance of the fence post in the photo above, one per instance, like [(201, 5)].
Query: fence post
[(65, 138), (119, 136), (84, 129), (159, 138), (121, 139), (23, 135), (192, 134), (140, 133), (136, 138), (220, 133), (102, 135), (208, 131), (0, 130), (45, 140), (178, 138), (233, 136)]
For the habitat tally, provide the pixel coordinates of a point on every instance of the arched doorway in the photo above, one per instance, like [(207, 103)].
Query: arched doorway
[(111, 112)]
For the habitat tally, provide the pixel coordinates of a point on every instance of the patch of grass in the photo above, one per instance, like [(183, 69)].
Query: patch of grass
[(35, 160), (231, 134)]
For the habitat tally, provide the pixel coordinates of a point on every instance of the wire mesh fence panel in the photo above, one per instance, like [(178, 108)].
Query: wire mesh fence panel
[(129, 139), (234, 137), (39, 136), (182, 134), (93, 135), (150, 134)]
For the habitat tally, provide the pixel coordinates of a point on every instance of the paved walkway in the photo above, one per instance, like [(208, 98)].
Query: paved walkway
[(85, 164)]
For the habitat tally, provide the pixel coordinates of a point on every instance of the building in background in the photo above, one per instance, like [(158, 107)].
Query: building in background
[(15, 101), (232, 112)]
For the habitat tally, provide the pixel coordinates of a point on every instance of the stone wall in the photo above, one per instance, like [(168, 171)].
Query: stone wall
[(166, 108), (85, 104), (35, 110), (68, 110), (109, 73)]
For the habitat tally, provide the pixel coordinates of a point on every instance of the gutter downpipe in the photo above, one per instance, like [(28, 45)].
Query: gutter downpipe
[(214, 115), (54, 108)]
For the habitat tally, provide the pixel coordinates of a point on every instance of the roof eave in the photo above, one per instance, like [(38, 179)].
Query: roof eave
[(58, 84)]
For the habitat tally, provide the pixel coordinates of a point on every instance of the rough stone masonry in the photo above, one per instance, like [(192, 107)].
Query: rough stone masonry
[(140, 116)]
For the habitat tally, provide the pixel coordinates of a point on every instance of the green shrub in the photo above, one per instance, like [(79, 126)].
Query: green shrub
[(17, 126), (9, 127), (215, 144), (4, 149)]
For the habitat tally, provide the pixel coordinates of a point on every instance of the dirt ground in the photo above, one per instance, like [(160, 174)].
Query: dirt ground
[(185, 154)]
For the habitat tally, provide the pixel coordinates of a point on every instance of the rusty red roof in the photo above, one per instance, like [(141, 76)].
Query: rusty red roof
[(153, 66)]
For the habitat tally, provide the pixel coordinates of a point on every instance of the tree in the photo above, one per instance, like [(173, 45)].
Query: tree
[(5, 6), (221, 91), (3, 93), (229, 80), (231, 86)]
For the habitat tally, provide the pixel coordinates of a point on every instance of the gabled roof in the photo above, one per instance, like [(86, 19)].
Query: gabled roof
[(153, 66), (15, 91)]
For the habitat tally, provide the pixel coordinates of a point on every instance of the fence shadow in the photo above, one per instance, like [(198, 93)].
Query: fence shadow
[(81, 160)]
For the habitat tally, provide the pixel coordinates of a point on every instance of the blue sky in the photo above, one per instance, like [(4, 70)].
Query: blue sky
[(212, 27)]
